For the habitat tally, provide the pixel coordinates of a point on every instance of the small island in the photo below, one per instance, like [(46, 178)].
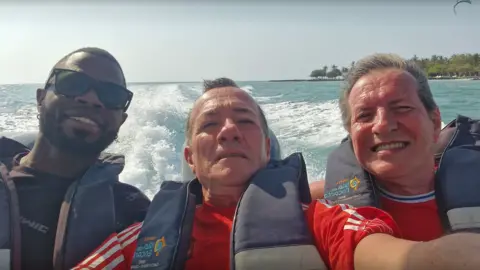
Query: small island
[(437, 67)]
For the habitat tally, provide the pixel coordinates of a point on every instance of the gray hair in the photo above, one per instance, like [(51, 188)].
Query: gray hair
[(380, 61)]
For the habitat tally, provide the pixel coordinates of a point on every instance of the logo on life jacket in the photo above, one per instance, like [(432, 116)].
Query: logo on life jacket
[(343, 187), (354, 183), (149, 246), (159, 245)]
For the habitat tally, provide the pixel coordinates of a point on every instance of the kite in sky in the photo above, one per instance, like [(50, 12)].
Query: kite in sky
[(458, 2)]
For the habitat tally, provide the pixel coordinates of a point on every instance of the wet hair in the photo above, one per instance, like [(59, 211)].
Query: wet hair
[(220, 83), (381, 61), (92, 51)]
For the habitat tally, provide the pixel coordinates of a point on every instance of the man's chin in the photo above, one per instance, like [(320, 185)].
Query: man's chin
[(83, 148), (385, 169), (233, 175), (72, 139), (82, 135), (78, 146)]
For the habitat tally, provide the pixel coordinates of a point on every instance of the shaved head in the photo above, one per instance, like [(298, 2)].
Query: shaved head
[(87, 52)]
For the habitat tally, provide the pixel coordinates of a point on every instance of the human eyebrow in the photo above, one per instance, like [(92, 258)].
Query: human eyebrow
[(243, 110), (396, 101), (208, 113)]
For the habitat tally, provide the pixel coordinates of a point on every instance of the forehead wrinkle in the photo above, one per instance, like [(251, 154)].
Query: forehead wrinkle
[(222, 97), (362, 94), (226, 97), (237, 108), (374, 88)]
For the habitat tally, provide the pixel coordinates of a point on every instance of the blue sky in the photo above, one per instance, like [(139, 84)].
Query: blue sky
[(249, 41)]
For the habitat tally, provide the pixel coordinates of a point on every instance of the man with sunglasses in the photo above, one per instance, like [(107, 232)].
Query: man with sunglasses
[(62, 198)]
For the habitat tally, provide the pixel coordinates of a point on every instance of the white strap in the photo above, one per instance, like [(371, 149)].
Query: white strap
[(464, 218), (4, 259)]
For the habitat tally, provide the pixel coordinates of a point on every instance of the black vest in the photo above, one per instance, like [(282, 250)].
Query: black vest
[(87, 217)]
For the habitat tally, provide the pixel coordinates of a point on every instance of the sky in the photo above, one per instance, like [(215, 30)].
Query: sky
[(243, 40)]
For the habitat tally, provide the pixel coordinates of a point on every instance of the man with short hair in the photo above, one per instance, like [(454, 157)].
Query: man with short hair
[(62, 198), (246, 212), (388, 160)]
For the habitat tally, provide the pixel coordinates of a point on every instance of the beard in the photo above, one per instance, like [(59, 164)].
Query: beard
[(77, 146)]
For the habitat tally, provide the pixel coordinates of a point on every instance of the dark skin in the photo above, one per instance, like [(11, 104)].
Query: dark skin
[(45, 156)]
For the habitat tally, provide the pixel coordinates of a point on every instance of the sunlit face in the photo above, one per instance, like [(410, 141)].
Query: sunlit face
[(62, 119), (392, 133), (227, 142)]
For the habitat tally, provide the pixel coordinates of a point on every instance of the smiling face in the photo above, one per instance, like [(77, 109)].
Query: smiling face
[(392, 133), (227, 142), (81, 125)]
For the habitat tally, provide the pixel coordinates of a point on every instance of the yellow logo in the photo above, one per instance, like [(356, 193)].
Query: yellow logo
[(159, 245), (354, 183)]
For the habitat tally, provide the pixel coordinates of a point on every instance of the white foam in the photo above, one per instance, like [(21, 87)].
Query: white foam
[(317, 124), (306, 127), (248, 88), (148, 137)]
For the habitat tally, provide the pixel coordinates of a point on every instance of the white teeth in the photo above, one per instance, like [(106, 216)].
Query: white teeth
[(390, 146), (84, 120)]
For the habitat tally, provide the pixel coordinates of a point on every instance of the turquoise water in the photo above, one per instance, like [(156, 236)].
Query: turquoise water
[(303, 115)]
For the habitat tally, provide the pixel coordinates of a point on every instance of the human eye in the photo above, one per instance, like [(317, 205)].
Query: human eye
[(403, 108), (246, 121), (363, 116), (208, 124)]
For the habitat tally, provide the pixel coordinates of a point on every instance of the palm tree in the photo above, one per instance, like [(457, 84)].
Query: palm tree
[(325, 68)]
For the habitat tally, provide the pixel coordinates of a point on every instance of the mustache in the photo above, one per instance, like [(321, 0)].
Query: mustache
[(60, 115)]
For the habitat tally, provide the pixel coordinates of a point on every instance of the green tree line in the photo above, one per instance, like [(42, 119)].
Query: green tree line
[(457, 65)]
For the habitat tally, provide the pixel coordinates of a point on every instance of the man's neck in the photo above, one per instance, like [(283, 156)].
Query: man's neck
[(419, 182), (47, 158), (227, 197)]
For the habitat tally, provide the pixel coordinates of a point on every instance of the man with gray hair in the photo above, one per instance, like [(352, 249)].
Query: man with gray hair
[(388, 159)]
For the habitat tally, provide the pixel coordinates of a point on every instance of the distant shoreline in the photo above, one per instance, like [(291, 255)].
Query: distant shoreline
[(337, 80), (307, 80)]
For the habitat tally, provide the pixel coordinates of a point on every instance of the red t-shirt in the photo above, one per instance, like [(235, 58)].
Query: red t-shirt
[(336, 231), (416, 216)]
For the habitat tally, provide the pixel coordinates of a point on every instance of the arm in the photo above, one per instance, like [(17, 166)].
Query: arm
[(338, 229), (456, 251), (317, 189), (115, 253)]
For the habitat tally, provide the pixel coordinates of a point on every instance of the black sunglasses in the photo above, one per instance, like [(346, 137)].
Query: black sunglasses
[(72, 83)]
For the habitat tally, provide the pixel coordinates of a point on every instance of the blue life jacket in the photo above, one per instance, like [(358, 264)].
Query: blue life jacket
[(269, 228)]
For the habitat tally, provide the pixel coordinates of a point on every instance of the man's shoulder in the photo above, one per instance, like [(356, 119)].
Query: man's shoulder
[(9, 148), (131, 204), (327, 209), (351, 218), (128, 193)]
